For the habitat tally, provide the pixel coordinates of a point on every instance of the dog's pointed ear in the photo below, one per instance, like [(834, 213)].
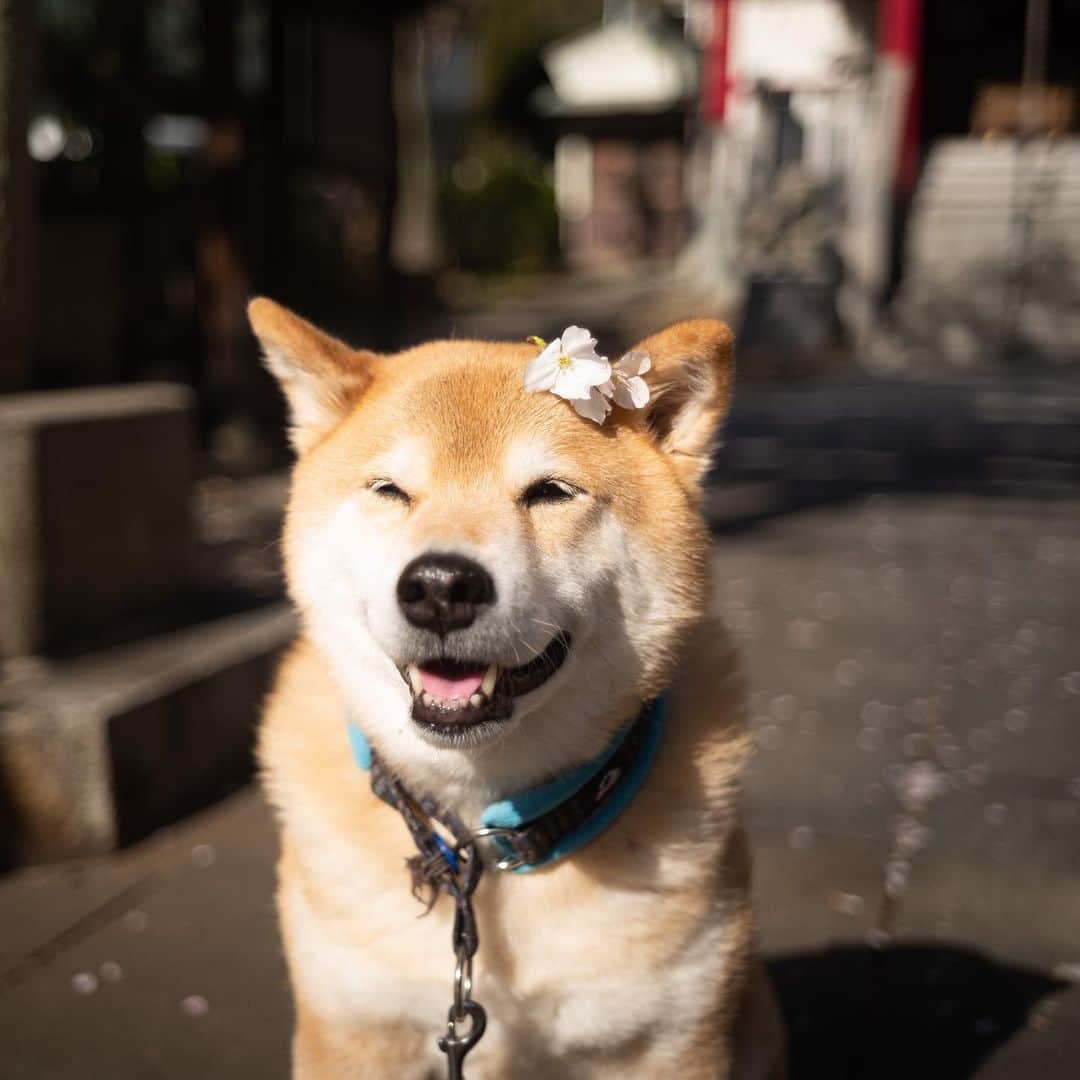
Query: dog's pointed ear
[(321, 377), (689, 392)]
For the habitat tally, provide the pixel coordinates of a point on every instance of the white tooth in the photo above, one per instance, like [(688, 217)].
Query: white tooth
[(488, 685), (476, 700), (427, 699), (415, 681)]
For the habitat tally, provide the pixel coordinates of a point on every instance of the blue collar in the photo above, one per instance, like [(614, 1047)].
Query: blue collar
[(607, 783)]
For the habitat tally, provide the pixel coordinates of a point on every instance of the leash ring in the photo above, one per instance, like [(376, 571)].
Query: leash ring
[(462, 984)]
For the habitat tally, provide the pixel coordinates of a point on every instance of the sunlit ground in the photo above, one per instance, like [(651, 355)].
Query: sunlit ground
[(914, 803)]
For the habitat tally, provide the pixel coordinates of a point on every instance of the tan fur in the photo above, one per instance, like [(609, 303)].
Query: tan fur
[(632, 957)]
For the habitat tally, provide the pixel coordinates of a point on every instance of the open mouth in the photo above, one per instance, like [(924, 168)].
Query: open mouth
[(453, 696)]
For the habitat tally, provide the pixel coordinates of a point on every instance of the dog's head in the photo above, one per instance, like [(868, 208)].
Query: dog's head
[(496, 582)]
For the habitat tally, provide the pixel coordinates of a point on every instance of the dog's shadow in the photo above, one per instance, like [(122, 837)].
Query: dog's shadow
[(926, 1011)]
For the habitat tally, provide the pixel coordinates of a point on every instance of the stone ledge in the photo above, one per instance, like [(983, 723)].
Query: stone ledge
[(95, 521), (48, 407), (99, 751)]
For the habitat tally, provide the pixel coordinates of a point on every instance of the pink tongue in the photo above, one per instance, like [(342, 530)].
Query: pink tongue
[(447, 687)]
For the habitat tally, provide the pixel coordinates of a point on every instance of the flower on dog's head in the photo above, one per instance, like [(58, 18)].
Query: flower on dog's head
[(571, 368), (626, 385)]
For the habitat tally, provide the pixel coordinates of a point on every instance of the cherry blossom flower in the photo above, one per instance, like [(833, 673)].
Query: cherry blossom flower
[(595, 407), (626, 386), (569, 366)]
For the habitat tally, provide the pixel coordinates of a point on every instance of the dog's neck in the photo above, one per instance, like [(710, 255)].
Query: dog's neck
[(537, 748), (541, 824), (564, 729)]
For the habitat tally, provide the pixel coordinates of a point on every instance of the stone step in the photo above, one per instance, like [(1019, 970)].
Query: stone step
[(989, 156), (963, 223), (839, 436), (95, 510), (98, 751)]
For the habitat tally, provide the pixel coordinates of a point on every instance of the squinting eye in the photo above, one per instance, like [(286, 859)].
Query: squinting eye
[(388, 490), (549, 491)]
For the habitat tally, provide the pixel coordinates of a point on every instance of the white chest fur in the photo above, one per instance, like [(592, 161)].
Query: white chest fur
[(567, 965)]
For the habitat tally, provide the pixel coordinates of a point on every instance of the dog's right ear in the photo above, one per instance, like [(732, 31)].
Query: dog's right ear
[(322, 378)]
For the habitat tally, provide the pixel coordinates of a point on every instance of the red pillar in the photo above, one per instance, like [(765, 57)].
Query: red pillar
[(900, 35), (716, 74)]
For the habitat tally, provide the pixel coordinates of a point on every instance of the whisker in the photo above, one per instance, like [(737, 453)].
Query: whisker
[(516, 630)]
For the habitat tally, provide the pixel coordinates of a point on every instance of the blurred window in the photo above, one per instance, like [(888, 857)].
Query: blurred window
[(73, 21), (253, 47), (175, 39)]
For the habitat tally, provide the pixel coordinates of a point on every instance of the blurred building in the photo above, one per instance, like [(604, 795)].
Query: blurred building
[(887, 173), (843, 164), (621, 98), (187, 153), (917, 156)]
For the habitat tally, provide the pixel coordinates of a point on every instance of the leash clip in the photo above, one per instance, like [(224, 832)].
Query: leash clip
[(456, 1044)]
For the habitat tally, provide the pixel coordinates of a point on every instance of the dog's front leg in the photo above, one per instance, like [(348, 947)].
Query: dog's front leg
[(760, 1038)]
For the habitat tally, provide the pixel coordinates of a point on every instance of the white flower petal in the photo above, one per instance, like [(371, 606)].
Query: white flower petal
[(541, 372), (607, 388), (591, 370), (639, 391), (595, 407), (569, 389), (571, 385), (623, 398), (577, 339), (633, 363), (632, 393)]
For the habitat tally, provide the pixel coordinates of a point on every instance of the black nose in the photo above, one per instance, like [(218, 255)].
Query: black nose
[(443, 592)]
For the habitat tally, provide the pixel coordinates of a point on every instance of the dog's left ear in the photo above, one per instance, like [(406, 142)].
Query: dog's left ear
[(689, 392), (321, 377)]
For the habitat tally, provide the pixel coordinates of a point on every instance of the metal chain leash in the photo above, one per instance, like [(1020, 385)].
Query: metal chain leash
[(455, 871), (466, 1020), (455, 867)]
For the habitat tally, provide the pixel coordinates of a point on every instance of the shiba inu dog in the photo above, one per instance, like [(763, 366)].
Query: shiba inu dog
[(492, 587)]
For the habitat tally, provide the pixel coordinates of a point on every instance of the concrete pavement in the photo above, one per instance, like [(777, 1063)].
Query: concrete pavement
[(914, 804)]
